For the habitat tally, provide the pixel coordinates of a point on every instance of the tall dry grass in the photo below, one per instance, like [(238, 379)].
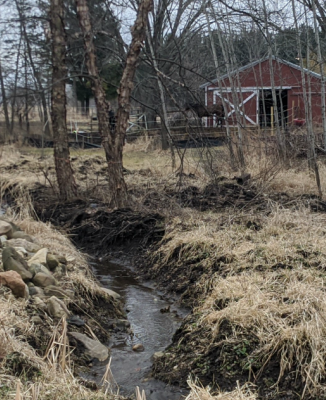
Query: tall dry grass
[(244, 392), (52, 377), (269, 283)]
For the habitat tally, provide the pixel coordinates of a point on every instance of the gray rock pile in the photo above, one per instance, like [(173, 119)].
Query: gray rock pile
[(33, 273), (30, 271)]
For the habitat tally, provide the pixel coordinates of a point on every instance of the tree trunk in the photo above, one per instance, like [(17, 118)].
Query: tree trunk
[(4, 102), (323, 81), (311, 151), (36, 75), (13, 98), (217, 67), (113, 141), (165, 128), (26, 98), (65, 178), (87, 106)]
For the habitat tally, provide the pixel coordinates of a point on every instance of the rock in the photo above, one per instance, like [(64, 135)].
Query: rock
[(3, 239), (119, 323), (36, 320), (14, 227), (52, 261), (22, 235), (122, 323), (158, 355), (58, 292), (165, 309), (138, 347), (30, 247), (41, 279), (62, 260), (39, 257), (1, 268), (20, 250), (39, 303), (36, 291), (60, 270), (5, 228), (35, 268), (111, 293), (14, 282), (74, 320), (12, 261), (57, 308), (94, 348)]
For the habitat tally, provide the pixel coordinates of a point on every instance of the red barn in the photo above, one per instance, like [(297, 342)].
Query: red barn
[(249, 90)]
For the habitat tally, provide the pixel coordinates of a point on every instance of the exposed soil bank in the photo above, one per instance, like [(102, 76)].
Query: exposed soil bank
[(271, 244)]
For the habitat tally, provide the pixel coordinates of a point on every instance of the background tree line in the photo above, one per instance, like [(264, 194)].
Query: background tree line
[(185, 43)]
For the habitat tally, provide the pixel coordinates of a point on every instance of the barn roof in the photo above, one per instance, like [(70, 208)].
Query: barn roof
[(254, 63)]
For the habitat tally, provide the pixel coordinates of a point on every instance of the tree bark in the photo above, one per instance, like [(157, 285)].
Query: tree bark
[(13, 98), (4, 102), (65, 177), (113, 141)]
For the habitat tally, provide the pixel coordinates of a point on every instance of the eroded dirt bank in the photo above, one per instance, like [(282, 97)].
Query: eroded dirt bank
[(248, 260), (252, 275)]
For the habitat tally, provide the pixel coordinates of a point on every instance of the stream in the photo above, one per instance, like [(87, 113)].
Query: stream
[(150, 327)]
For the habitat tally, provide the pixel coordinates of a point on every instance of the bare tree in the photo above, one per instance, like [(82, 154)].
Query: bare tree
[(65, 177), (113, 141), (4, 100), (312, 158), (322, 73), (37, 76)]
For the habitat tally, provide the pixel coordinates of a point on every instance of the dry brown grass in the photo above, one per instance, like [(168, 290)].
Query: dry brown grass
[(50, 381), (240, 393), (282, 236), (269, 284), (285, 311), (53, 379)]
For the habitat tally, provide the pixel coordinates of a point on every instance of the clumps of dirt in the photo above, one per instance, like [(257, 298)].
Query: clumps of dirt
[(95, 227), (221, 195), (219, 360), (267, 331), (17, 364), (228, 193)]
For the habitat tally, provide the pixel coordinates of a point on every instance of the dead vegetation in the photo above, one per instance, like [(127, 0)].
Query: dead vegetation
[(249, 259), (240, 393), (257, 287), (36, 359)]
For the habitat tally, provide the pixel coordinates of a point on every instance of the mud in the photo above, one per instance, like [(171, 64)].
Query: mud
[(222, 361)]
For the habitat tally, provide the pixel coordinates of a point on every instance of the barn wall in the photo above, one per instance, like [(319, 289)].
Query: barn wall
[(284, 76)]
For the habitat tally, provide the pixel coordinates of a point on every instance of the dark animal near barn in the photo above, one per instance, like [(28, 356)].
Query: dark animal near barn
[(207, 111)]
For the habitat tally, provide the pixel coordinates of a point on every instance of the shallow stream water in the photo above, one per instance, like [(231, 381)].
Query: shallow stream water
[(150, 327)]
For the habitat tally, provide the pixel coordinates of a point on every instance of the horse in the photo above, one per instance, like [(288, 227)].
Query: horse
[(207, 111)]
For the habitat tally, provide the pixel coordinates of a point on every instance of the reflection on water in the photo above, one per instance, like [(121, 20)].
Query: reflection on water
[(151, 328)]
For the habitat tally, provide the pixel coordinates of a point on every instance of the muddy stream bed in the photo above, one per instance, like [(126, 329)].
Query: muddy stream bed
[(150, 327)]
